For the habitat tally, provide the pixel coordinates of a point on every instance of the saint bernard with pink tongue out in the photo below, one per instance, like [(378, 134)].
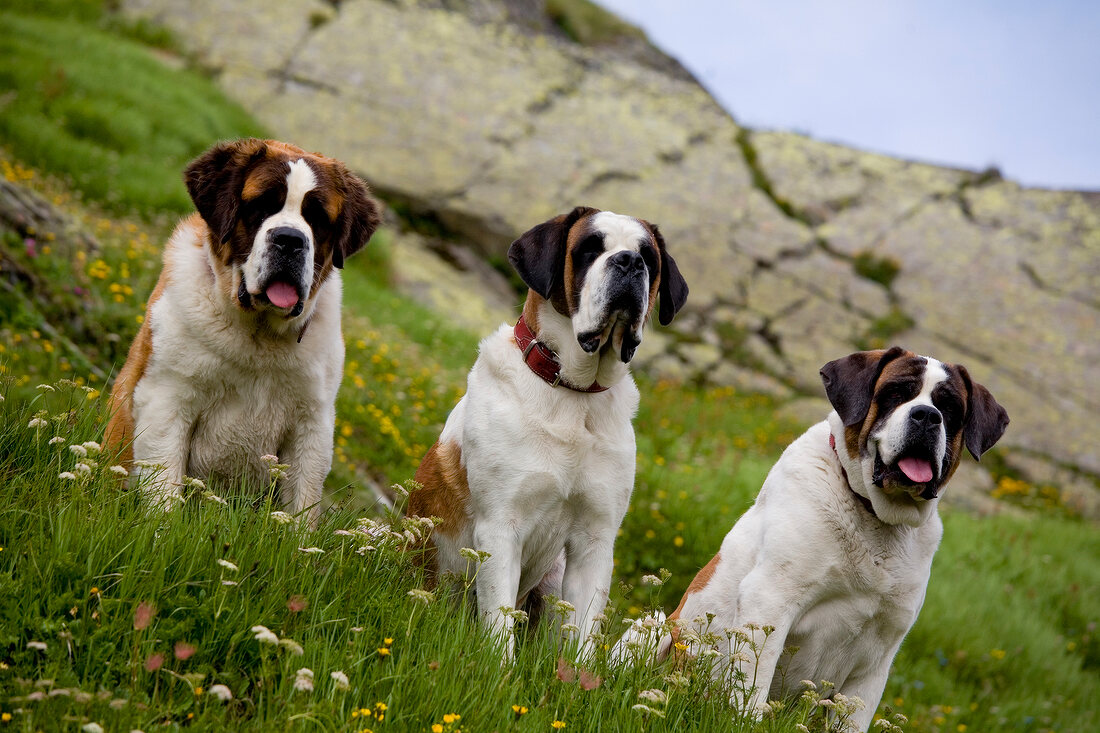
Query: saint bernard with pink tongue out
[(240, 353), (837, 550)]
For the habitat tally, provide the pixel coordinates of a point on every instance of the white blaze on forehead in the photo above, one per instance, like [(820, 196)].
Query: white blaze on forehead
[(619, 232), (300, 180)]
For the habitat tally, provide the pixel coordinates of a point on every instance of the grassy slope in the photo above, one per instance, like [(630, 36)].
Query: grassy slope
[(1006, 639)]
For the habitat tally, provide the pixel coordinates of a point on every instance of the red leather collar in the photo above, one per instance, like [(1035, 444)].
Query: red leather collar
[(862, 499), (544, 362)]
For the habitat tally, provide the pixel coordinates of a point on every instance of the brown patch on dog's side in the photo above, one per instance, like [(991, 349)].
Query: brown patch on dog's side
[(445, 493), (699, 582), (119, 434)]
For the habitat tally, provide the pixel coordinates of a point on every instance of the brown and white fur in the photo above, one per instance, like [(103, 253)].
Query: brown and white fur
[(836, 552), (540, 476), (224, 369)]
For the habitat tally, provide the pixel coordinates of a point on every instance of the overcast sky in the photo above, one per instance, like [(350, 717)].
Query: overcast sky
[(970, 83)]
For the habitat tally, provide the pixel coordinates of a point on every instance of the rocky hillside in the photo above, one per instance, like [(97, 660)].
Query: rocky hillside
[(479, 118)]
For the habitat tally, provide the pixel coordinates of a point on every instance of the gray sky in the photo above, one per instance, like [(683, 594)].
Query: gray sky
[(970, 83)]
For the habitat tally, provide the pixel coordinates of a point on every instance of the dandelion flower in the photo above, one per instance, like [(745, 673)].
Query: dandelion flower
[(221, 692), (557, 724), (341, 680), (119, 471), (77, 450), (39, 645), (388, 640), (228, 565), (67, 475), (437, 728), (303, 680), (264, 635), (383, 651), (282, 517), (451, 717)]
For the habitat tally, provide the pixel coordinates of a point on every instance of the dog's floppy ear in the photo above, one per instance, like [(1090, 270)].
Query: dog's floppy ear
[(359, 217), (673, 289), (539, 254), (986, 420), (215, 180), (850, 382)]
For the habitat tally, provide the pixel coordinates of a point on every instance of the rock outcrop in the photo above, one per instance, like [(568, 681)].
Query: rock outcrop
[(797, 251)]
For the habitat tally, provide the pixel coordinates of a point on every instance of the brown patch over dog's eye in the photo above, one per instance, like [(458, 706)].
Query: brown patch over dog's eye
[(263, 206), (892, 394), (317, 217)]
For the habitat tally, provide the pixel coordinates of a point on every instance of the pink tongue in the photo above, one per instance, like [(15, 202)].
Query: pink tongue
[(917, 470), (282, 295)]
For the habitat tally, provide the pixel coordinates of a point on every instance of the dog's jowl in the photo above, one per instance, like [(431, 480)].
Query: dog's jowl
[(536, 462), (836, 552), (240, 353)]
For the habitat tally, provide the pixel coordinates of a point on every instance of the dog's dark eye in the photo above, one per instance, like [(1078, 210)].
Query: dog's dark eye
[(649, 256), (950, 407), (255, 211), (317, 218), (896, 393), (588, 250)]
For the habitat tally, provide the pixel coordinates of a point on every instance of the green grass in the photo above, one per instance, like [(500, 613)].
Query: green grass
[(1006, 640), (104, 111)]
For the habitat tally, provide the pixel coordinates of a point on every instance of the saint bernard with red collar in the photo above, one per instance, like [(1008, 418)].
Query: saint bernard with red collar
[(836, 552), (240, 353), (535, 464)]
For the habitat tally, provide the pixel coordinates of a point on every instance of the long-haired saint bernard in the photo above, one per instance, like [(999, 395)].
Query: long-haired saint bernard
[(240, 353), (536, 463)]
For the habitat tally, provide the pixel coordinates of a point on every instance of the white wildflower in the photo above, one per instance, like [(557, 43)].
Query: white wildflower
[(311, 550), (79, 451), (36, 422), (67, 475), (424, 596), (343, 533), (92, 728), (364, 549), (282, 517), (119, 470), (808, 684), (645, 709), (651, 580), (303, 680), (658, 697), (229, 582), (193, 483), (470, 554), (264, 635), (221, 692), (292, 646), (82, 469), (92, 447), (341, 680), (211, 496), (56, 439), (39, 645), (228, 565), (569, 628), (564, 607), (46, 388)]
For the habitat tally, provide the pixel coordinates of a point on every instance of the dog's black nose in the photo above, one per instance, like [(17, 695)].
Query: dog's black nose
[(628, 262), (288, 240), (925, 415)]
